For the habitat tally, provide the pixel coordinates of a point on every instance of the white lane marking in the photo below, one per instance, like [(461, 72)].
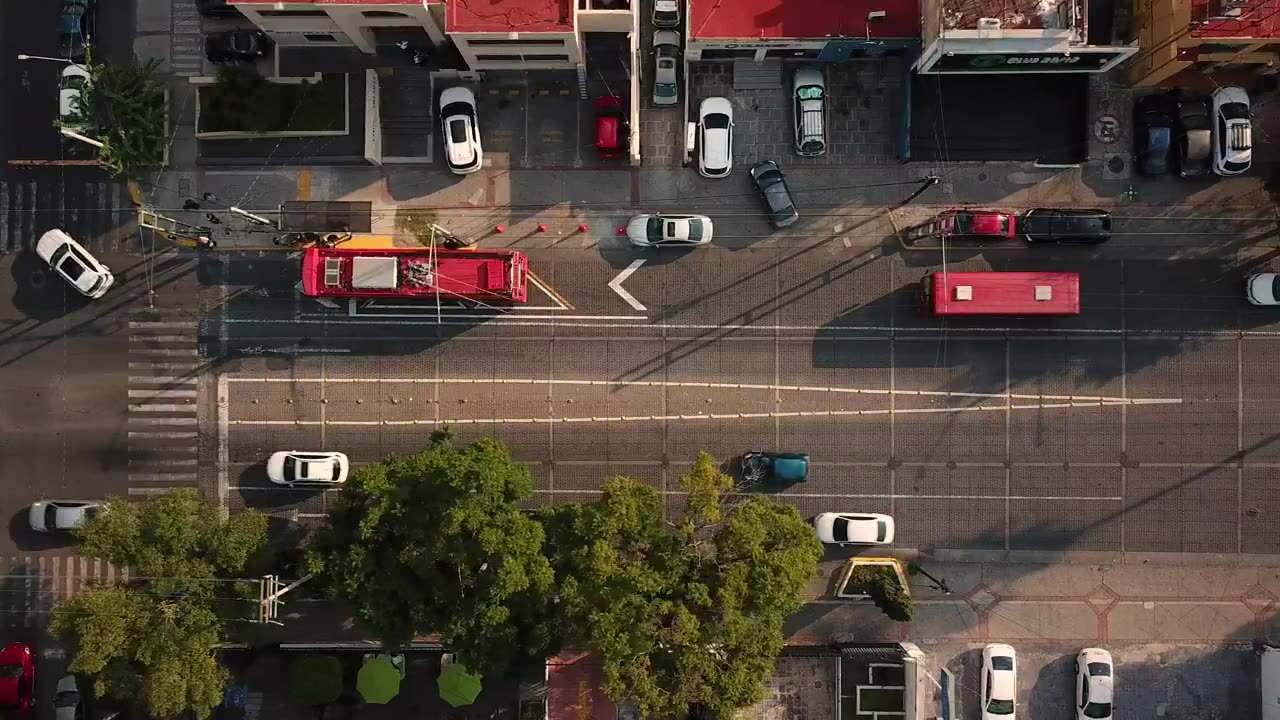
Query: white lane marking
[(164, 365), (653, 418), (164, 338), (161, 324), (167, 379), (162, 393), (163, 421), (151, 490), (139, 435), (163, 408), (163, 477), (616, 284), (950, 329), (1077, 399), (166, 352)]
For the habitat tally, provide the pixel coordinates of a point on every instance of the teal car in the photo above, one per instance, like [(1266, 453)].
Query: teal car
[(758, 466)]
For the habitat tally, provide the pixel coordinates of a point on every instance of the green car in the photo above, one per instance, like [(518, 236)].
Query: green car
[(779, 467)]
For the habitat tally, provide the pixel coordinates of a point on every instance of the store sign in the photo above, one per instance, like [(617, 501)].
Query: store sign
[(1023, 62)]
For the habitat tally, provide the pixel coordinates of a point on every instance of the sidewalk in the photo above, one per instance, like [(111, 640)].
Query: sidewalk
[(1082, 604)]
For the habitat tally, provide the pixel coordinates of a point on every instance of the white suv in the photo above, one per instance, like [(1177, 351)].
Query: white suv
[(70, 260), (1232, 131), (715, 137)]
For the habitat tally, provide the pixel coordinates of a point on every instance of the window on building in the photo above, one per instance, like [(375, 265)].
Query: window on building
[(383, 14), (481, 43), (727, 54), (793, 53), (319, 37), (293, 13)]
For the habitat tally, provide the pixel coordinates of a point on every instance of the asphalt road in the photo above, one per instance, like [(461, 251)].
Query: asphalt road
[(1142, 425)]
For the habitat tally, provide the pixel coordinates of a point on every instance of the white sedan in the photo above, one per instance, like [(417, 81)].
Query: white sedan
[(66, 700), (61, 515), (1263, 289), (666, 52), (1232, 131), (1095, 684), (70, 260), (291, 467), (461, 128), (854, 528), (999, 682), (669, 230), (715, 137)]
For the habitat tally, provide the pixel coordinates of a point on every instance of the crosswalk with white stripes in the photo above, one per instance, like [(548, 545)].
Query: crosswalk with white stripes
[(32, 585), (95, 210), (164, 395)]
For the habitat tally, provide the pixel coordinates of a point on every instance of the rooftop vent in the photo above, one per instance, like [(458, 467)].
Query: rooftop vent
[(1044, 293), (964, 292)]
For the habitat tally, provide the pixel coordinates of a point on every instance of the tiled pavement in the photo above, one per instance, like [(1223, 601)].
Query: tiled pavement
[(31, 585)]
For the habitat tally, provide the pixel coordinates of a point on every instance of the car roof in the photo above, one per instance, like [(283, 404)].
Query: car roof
[(807, 76), (1229, 94), (666, 37), (457, 94)]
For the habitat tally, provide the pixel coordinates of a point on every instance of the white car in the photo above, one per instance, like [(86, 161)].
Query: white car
[(461, 130), (669, 230), (1263, 289), (715, 137), (66, 700), (61, 515), (999, 682), (854, 528), (70, 260), (666, 13), (1232, 130), (75, 78), (1095, 684), (666, 53), (809, 111), (291, 467)]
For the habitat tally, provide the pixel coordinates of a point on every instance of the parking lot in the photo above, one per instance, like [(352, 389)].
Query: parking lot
[(864, 106)]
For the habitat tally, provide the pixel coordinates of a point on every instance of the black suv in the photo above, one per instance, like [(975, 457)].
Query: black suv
[(1065, 225)]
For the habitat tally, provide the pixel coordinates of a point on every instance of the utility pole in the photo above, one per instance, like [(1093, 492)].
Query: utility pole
[(269, 594)]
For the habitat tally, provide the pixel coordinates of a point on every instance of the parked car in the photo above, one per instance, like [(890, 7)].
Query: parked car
[(66, 700), (1195, 138), (71, 86), (762, 466), (772, 185), (462, 150), (854, 528), (17, 680), (715, 137), (1233, 131), (975, 224), (1095, 685), (999, 682), (1065, 225), (1263, 288), (292, 467), (666, 59), (75, 28), (61, 515), (613, 134), (666, 14), (809, 104), (1153, 125), (70, 260), (237, 46), (216, 9), (669, 230)]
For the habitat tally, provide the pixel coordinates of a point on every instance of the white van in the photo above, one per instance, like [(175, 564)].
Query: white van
[(810, 101)]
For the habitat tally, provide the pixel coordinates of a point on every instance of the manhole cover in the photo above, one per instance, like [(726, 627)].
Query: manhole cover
[(38, 279), (1106, 129), (1116, 164), (982, 177)]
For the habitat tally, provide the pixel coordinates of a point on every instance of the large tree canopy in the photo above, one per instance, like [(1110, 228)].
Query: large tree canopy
[(684, 610), (126, 109), (152, 641), (435, 543)]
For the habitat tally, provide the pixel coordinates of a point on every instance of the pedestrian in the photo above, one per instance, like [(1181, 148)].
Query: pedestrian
[(212, 218), (190, 204), (418, 57), (403, 45), (204, 242)]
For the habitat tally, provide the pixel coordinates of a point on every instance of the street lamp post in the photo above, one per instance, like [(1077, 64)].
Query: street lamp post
[(22, 56)]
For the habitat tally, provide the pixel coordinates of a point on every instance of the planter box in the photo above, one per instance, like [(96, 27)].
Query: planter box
[(844, 591), (320, 107)]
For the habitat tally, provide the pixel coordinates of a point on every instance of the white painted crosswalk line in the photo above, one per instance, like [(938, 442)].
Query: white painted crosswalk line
[(164, 398)]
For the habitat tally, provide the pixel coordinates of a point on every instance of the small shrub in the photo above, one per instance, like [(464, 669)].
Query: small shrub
[(315, 679)]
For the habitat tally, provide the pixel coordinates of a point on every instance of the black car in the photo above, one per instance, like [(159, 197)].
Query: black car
[(75, 28), (772, 185), (216, 9), (1195, 141), (1154, 120), (237, 46), (1065, 225)]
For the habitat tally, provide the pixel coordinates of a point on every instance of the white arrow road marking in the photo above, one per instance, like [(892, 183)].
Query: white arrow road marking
[(297, 287), (616, 284)]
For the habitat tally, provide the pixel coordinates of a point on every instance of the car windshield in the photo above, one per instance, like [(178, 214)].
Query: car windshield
[(10, 671), (716, 121), (882, 530), (665, 89), (840, 530), (1235, 166), (66, 698), (1097, 710), (1001, 662), (653, 228), (290, 468), (1235, 111), (695, 229), (242, 42), (50, 516), (809, 92), (1099, 669), (1000, 707), (1275, 286)]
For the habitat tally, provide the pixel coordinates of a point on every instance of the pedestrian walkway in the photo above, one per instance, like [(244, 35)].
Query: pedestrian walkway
[(164, 392), (1086, 604), (32, 585), (84, 202)]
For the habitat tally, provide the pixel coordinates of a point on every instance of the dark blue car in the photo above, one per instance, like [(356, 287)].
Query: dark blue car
[(1153, 124), (776, 467)]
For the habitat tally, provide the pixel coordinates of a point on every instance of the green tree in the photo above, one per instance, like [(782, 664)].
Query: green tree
[(152, 640), (685, 610), (126, 109), (315, 680), (435, 543)]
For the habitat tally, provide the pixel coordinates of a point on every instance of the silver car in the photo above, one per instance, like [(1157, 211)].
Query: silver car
[(669, 230), (666, 53), (61, 515), (66, 700)]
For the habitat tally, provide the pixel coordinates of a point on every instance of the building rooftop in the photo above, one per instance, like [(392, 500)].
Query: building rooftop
[(505, 16), (802, 18), (1236, 18), (1014, 14)]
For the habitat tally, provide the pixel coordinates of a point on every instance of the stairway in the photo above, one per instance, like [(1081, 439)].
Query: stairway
[(752, 75)]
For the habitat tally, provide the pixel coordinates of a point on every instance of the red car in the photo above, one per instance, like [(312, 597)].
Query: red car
[(17, 680), (613, 137), (977, 224)]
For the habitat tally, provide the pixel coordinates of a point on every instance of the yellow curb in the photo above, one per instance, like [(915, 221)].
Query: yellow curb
[(304, 185)]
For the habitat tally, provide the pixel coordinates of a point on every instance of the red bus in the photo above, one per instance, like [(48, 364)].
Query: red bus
[(500, 276), (1000, 293)]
